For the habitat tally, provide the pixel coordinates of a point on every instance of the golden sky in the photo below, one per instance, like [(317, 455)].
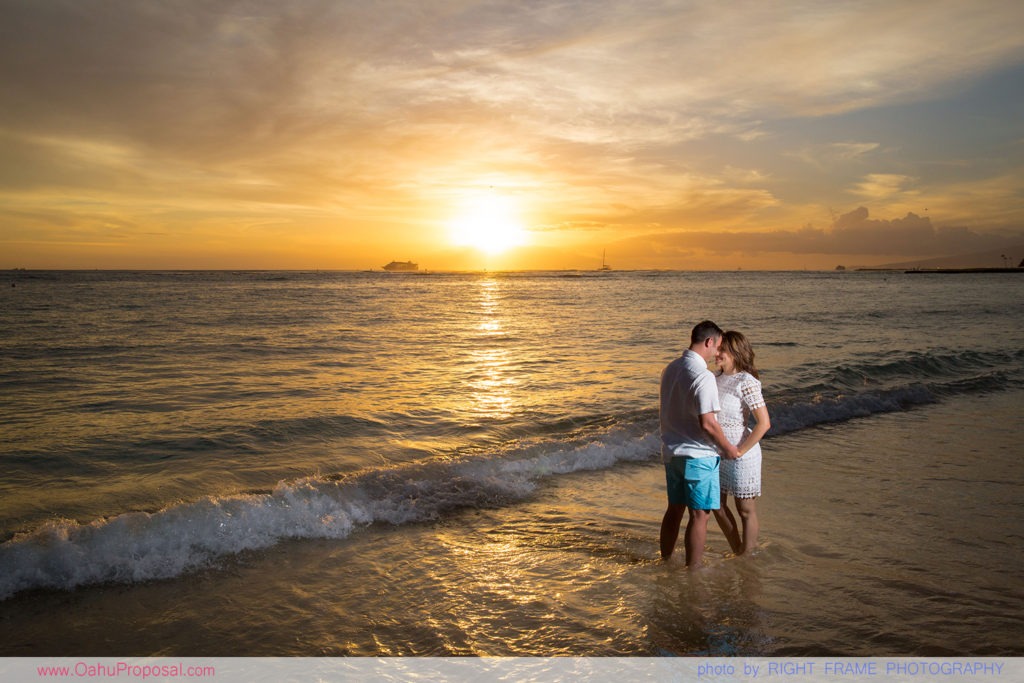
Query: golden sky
[(465, 135)]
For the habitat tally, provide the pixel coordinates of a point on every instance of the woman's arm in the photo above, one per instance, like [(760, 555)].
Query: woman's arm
[(763, 424)]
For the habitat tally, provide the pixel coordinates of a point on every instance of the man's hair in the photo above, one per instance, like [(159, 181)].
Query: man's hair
[(704, 330)]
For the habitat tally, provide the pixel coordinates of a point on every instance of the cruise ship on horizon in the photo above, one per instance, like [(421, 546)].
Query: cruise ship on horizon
[(401, 267)]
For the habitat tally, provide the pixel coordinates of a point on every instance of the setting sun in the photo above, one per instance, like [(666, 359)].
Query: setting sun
[(488, 222)]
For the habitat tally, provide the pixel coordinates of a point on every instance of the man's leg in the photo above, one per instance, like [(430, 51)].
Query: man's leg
[(696, 535), (729, 527), (704, 496), (670, 528)]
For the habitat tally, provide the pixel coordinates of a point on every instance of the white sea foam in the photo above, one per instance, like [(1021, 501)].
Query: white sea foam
[(140, 546)]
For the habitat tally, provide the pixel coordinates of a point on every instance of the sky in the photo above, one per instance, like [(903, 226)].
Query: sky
[(699, 134)]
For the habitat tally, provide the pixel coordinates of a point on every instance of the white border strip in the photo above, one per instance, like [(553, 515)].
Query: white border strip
[(486, 669)]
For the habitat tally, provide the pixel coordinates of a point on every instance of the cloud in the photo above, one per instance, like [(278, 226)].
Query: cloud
[(912, 233), (853, 233), (197, 77), (879, 186), (828, 154)]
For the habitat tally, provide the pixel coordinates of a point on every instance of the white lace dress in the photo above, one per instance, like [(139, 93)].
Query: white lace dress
[(739, 395)]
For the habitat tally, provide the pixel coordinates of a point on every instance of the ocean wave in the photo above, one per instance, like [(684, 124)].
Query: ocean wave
[(257, 436), (799, 409), (895, 369), (914, 365), (822, 409), (138, 546)]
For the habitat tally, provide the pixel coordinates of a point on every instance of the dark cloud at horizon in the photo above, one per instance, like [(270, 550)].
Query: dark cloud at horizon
[(853, 234)]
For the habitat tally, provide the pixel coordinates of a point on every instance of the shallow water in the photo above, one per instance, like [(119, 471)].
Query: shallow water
[(573, 569)]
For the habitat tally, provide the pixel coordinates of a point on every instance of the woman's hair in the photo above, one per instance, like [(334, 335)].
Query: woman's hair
[(737, 346)]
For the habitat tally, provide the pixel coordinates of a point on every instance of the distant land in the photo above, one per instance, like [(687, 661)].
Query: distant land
[(992, 258)]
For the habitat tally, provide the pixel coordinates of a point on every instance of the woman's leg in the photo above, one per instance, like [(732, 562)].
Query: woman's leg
[(747, 508)]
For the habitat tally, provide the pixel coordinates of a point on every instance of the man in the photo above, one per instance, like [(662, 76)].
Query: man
[(690, 434)]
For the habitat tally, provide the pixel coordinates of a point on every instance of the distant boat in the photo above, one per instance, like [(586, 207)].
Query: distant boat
[(402, 267), (604, 266)]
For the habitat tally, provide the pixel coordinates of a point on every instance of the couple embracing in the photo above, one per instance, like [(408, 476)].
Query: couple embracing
[(709, 451)]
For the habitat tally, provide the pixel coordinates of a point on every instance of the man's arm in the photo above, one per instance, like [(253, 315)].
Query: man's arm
[(709, 423)]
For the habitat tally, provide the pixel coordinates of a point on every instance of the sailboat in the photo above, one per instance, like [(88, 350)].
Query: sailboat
[(604, 266)]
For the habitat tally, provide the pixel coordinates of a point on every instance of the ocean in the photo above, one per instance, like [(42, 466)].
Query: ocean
[(377, 464)]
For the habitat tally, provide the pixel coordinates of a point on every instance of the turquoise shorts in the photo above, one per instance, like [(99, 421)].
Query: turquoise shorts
[(693, 482)]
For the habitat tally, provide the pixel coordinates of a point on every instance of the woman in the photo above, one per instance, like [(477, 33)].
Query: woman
[(739, 393)]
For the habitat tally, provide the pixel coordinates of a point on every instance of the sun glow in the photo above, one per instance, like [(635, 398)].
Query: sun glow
[(488, 222)]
